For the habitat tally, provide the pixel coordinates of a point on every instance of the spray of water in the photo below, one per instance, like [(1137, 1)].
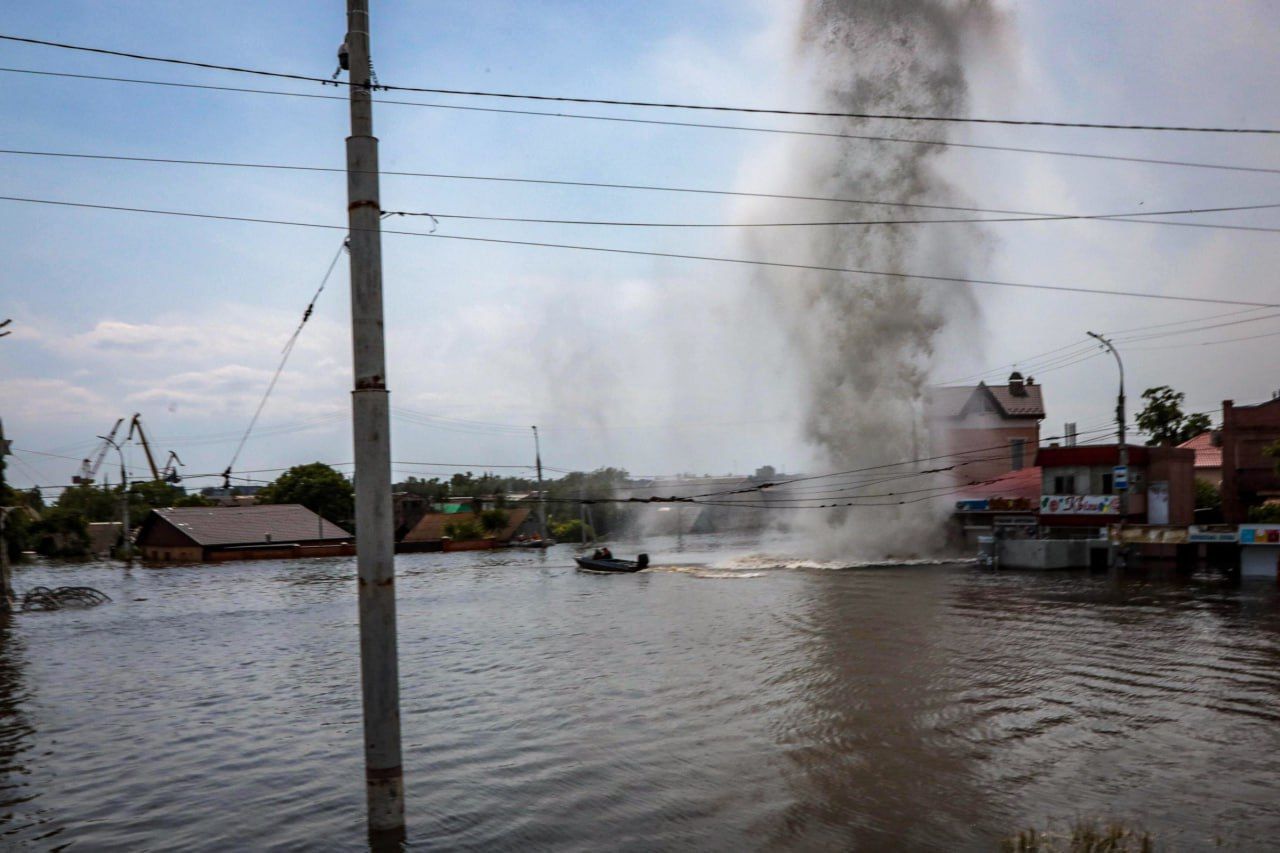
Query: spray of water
[(864, 347)]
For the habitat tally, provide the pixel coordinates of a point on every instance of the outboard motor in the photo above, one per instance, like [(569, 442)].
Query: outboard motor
[(643, 561)]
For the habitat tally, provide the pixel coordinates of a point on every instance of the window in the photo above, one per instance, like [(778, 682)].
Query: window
[(1017, 448), (1106, 484), (1064, 485)]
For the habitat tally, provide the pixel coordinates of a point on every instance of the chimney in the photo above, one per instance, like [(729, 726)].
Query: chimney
[(1016, 387)]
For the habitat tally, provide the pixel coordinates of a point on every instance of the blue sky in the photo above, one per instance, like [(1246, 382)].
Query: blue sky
[(644, 363)]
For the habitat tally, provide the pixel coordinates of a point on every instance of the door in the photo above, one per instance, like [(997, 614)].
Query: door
[(1158, 503)]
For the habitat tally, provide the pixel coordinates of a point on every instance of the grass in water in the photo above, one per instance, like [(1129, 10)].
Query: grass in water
[(1084, 837)]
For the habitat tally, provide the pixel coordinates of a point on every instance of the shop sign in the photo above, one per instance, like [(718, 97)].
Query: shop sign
[(1260, 534), (1080, 505), (1204, 534)]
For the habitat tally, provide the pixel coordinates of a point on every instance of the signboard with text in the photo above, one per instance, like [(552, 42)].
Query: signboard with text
[(1080, 505), (1260, 534)]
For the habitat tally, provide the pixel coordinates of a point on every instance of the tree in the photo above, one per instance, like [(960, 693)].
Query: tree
[(61, 532), (316, 486), (493, 520), (1163, 420), (462, 531), (95, 504), (1207, 495)]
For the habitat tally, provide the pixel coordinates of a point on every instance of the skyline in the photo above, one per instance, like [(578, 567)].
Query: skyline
[(484, 343)]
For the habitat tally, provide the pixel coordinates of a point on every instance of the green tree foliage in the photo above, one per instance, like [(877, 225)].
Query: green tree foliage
[(18, 521), (1163, 419), (464, 531), (316, 486), (61, 532), (493, 520), (1207, 495), (570, 531), (95, 504), (564, 493), (1268, 513)]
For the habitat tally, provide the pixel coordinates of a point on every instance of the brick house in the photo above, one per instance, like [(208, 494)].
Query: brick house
[(991, 429), (1248, 475)]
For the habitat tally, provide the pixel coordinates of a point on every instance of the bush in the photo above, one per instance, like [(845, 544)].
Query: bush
[(1268, 513), (570, 531), (462, 531), (493, 520), (1207, 495), (61, 532)]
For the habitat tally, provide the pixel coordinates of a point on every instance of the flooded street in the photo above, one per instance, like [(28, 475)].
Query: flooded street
[(741, 702)]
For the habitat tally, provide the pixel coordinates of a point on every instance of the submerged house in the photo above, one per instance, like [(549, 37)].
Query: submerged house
[(218, 533), (431, 532)]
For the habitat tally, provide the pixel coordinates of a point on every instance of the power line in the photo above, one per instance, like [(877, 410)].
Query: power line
[(1190, 164), (284, 357), (847, 222), (655, 254), (1141, 217), (647, 104)]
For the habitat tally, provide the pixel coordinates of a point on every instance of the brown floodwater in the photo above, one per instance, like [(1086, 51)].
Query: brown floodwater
[(737, 700)]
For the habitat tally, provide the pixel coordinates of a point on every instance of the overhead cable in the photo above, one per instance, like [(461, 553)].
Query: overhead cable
[(1141, 217), (667, 123), (943, 279), (635, 103)]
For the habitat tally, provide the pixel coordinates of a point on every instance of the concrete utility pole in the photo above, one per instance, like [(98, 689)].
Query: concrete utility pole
[(125, 545), (1122, 450), (375, 546), (542, 498), (6, 589)]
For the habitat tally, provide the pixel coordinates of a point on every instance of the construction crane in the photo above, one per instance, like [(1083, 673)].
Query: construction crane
[(135, 425), (89, 469), (170, 471)]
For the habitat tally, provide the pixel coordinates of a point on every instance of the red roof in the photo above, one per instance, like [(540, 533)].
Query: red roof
[(249, 525), (951, 401), (1015, 484), (1207, 455)]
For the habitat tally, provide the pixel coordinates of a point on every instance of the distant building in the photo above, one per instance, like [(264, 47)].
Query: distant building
[(234, 496), (104, 536), (210, 534), (1248, 475), (1208, 449), (990, 430), (429, 533), (1078, 486)]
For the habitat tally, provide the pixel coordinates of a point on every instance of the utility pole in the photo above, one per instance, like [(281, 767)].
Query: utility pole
[(125, 545), (375, 546), (1121, 450), (6, 589), (542, 497)]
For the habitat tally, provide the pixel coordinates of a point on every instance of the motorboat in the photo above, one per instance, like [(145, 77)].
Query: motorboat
[(612, 564)]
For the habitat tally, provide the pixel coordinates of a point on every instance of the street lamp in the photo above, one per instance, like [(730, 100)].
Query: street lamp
[(124, 502), (1122, 486)]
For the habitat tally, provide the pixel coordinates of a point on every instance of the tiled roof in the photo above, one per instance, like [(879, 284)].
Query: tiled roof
[(1032, 404), (251, 525), (1015, 484), (1207, 456), (431, 527), (950, 401)]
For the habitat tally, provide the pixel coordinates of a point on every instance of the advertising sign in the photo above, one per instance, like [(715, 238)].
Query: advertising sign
[(1260, 534), (1080, 505), (1120, 477), (1205, 534)]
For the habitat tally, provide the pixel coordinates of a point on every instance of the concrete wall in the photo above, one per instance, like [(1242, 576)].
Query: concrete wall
[(1044, 553)]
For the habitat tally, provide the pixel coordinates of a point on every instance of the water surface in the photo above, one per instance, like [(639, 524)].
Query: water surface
[(737, 700)]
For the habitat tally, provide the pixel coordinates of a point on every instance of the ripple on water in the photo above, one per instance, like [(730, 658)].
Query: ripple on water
[(824, 705)]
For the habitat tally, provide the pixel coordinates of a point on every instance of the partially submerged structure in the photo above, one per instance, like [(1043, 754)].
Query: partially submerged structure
[(218, 533)]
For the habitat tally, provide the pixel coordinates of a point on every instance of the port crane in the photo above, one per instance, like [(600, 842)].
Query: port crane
[(89, 467), (169, 474)]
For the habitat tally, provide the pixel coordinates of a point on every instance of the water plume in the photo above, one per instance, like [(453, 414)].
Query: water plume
[(865, 346)]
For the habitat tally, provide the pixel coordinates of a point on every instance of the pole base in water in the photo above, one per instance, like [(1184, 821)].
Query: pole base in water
[(385, 801)]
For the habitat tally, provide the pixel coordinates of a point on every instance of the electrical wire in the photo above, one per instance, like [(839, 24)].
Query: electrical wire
[(1122, 217), (943, 279), (658, 122), (628, 103), (284, 357), (1015, 215)]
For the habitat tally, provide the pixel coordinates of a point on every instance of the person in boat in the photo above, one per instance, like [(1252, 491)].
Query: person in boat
[(597, 555), (605, 553)]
